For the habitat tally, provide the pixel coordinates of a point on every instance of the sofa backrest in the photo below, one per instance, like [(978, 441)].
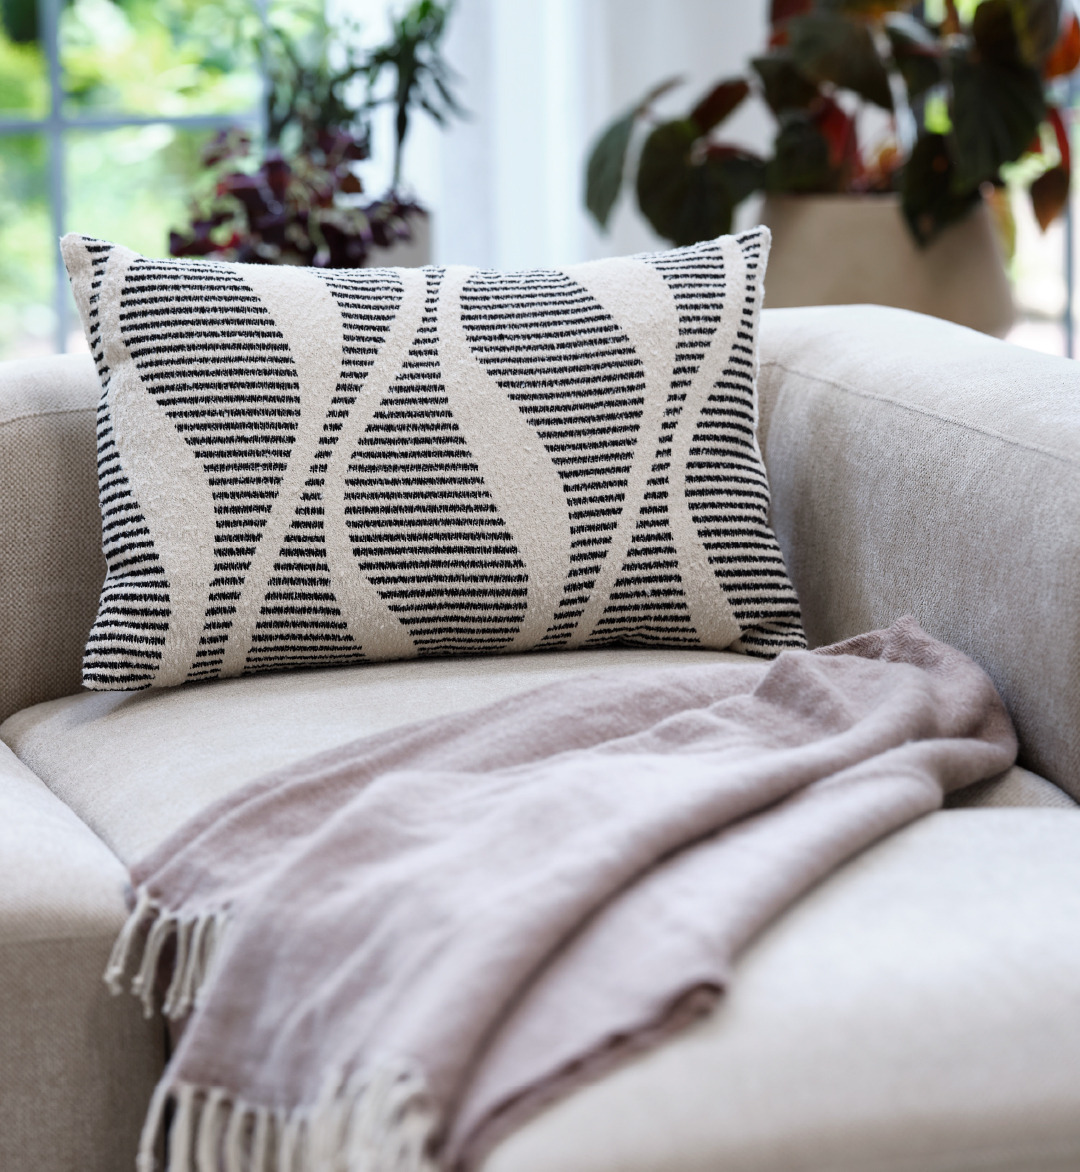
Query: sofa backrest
[(916, 468), (51, 565)]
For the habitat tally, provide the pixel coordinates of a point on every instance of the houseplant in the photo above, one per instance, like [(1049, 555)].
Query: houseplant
[(957, 96), (302, 201)]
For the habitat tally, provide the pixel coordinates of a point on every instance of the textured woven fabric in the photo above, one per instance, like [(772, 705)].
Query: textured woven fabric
[(50, 530), (389, 954), (135, 765), (311, 467), (76, 1065), (919, 468), (916, 1012)]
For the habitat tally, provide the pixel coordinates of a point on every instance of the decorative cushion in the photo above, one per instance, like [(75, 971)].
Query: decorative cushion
[(303, 466)]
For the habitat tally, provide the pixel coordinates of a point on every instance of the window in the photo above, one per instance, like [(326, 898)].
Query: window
[(105, 106)]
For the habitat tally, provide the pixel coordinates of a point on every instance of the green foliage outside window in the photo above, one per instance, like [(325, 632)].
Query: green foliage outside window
[(119, 58), (167, 57)]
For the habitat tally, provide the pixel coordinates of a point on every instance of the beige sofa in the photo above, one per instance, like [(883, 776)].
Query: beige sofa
[(919, 1011)]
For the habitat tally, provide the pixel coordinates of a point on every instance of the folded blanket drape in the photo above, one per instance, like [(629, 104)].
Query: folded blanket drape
[(391, 953)]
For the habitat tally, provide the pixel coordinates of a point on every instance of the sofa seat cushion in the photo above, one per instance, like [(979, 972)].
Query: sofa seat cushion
[(917, 1012), (135, 765)]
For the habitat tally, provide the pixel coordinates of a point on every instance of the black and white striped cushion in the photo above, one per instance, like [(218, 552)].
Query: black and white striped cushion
[(309, 467)]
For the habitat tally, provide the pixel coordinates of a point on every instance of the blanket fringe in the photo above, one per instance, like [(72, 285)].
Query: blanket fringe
[(379, 1121), (151, 927)]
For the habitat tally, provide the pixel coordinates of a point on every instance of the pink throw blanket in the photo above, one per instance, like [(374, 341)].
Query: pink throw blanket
[(390, 954)]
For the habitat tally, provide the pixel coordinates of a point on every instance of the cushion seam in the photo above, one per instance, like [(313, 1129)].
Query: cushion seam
[(41, 414), (919, 410)]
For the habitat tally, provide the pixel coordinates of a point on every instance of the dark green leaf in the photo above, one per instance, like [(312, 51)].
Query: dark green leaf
[(706, 210), (1039, 25), (607, 160), (664, 175), (607, 164), (800, 161), (20, 19), (784, 87), (995, 111), (828, 47), (1012, 31), (741, 172), (916, 51), (718, 103), (688, 198), (929, 196), (994, 31)]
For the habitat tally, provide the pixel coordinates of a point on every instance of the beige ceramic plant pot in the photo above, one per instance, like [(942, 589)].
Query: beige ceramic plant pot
[(845, 249), (406, 254)]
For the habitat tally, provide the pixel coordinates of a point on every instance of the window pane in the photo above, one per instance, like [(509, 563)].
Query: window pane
[(133, 184), (27, 318), (24, 84), (171, 58)]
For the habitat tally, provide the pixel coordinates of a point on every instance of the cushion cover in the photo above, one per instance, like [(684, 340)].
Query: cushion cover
[(301, 466)]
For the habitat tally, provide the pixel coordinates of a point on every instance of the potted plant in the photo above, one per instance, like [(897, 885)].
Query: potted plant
[(301, 201), (892, 129)]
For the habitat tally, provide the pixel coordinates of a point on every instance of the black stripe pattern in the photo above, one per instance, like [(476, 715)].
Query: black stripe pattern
[(300, 621), (726, 486), (209, 352), (125, 644), (557, 354), (424, 528)]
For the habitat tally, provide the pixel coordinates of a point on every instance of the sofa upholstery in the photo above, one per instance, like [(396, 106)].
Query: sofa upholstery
[(917, 1011), (920, 468), (52, 565), (76, 1065), (136, 765), (887, 1023)]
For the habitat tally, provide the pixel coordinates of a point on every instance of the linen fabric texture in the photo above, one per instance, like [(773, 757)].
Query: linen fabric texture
[(311, 467), (400, 948)]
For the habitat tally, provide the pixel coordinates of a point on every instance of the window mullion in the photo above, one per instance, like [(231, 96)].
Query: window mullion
[(50, 23)]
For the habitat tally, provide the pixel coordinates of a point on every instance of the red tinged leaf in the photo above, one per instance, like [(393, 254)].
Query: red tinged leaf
[(1049, 195), (657, 92), (781, 11), (838, 130), (718, 103), (1061, 133), (277, 173), (1065, 55), (1050, 192)]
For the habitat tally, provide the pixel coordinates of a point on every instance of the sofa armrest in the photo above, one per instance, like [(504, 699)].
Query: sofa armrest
[(77, 1066), (921, 468)]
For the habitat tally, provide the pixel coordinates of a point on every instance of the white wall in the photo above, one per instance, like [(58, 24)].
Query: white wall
[(541, 78)]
